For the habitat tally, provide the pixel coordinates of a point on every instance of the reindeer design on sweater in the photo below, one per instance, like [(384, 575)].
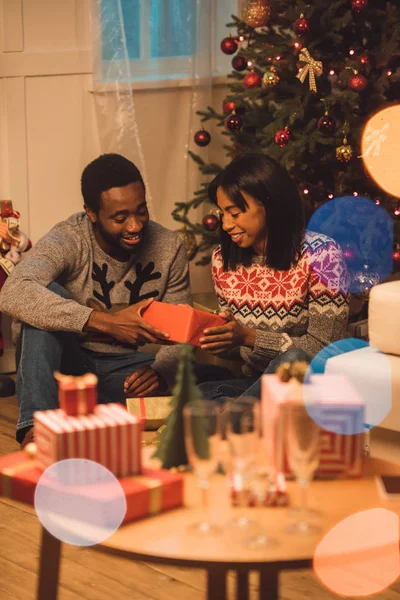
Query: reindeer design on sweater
[(143, 275)]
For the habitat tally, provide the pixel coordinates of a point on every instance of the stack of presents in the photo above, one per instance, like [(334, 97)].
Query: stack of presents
[(111, 435)]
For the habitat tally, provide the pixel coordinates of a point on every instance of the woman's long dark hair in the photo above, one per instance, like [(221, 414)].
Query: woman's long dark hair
[(266, 181)]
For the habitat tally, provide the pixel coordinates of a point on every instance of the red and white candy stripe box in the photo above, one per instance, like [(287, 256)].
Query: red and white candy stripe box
[(109, 436)]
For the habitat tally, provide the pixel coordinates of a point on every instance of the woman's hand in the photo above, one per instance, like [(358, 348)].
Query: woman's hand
[(218, 340)]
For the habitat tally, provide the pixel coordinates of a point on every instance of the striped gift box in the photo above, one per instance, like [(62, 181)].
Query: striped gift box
[(109, 436)]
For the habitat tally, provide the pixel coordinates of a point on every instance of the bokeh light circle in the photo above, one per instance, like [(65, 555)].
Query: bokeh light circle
[(364, 232), (80, 502), (348, 386), (360, 555), (380, 148)]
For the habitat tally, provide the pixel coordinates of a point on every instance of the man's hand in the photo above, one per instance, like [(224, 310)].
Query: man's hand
[(5, 235), (143, 382), (127, 325), (218, 340)]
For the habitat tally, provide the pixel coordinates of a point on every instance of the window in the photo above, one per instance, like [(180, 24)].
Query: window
[(158, 37)]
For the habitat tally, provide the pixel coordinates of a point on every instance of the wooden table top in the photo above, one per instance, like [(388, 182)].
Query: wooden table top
[(164, 538)]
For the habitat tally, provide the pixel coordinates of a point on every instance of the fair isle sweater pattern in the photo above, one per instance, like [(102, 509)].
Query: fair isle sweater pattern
[(305, 307)]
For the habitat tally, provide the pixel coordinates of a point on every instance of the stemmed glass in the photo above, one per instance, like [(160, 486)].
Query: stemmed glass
[(240, 427), (303, 450), (202, 432)]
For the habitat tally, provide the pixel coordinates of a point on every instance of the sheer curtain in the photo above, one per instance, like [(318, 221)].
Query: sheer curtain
[(152, 45)]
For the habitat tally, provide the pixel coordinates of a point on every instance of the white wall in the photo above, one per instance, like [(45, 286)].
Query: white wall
[(48, 127)]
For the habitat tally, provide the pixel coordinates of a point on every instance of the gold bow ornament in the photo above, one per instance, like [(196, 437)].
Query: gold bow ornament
[(312, 67)]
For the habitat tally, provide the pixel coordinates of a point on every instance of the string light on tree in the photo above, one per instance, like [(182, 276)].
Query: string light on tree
[(229, 45), (306, 191), (352, 52), (355, 194), (359, 5), (282, 137), (202, 138), (297, 46), (364, 59), (330, 196)]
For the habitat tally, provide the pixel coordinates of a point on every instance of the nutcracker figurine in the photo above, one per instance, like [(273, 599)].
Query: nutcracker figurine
[(12, 243)]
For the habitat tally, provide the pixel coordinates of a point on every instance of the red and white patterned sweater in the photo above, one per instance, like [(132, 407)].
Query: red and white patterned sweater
[(305, 307)]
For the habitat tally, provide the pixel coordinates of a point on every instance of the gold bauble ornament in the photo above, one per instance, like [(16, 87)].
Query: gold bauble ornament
[(270, 78), (256, 13), (344, 153), (189, 239)]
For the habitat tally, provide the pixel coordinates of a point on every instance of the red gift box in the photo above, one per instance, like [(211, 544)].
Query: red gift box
[(77, 395), (340, 454), (184, 323), (109, 436), (147, 494)]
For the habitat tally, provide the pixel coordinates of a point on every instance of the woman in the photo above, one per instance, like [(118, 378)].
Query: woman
[(282, 289)]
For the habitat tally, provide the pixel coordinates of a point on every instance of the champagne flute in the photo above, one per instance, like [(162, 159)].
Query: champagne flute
[(202, 432), (240, 428), (303, 449)]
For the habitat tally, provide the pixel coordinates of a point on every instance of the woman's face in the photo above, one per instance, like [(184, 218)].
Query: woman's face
[(247, 228)]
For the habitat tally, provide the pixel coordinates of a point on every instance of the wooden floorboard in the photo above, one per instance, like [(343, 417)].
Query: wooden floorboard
[(87, 574)]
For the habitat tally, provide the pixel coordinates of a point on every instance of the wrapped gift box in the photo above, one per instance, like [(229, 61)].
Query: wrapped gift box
[(109, 436), (77, 395), (147, 494), (339, 407), (152, 411), (184, 323)]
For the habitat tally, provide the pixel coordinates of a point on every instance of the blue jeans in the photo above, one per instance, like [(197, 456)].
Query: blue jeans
[(40, 353), (220, 391)]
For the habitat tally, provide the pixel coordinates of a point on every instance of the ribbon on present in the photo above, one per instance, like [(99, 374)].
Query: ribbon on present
[(375, 138), (155, 492), (312, 68)]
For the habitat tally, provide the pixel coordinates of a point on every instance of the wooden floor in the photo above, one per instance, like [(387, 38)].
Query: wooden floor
[(86, 573)]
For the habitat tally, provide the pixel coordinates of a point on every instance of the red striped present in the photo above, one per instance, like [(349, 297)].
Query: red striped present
[(109, 436)]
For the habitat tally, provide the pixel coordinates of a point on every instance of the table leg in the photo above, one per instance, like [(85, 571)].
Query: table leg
[(49, 567), (242, 585), (216, 583), (269, 583)]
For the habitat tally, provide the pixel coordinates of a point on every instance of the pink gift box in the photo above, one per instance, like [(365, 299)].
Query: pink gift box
[(340, 454), (109, 436)]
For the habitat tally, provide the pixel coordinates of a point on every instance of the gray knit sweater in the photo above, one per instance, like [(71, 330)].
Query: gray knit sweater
[(70, 256)]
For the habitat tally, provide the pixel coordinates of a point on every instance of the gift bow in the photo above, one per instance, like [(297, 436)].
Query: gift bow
[(312, 68), (8, 212), (374, 139)]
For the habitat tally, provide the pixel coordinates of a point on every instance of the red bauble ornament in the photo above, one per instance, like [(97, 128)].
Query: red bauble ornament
[(228, 106), (326, 125), (239, 63), (202, 137), (282, 137), (211, 222), (252, 80), (357, 82), (233, 123), (358, 5), (229, 45), (301, 26), (396, 257)]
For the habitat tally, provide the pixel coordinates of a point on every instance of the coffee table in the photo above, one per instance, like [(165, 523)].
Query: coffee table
[(165, 539)]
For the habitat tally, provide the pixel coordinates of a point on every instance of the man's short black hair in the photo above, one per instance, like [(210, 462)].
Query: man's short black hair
[(106, 172)]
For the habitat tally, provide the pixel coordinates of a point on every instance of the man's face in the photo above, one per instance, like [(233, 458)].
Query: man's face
[(122, 219)]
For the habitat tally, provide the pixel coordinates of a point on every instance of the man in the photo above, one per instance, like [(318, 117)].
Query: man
[(80, 293)]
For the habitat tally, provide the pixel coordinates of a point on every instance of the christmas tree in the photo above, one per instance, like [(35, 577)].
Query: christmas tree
[(171, 449), (306, 79)]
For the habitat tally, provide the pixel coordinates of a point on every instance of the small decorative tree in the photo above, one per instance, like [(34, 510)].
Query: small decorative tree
[(171, 449)]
